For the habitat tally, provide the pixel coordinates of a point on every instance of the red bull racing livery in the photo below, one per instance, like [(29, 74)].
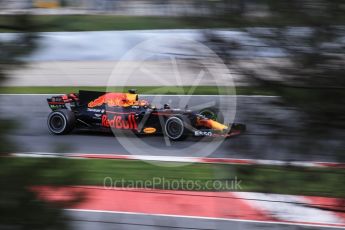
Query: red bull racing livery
[(125, 112)]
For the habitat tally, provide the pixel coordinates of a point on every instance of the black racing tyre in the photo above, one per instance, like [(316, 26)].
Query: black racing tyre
[(61, 121), (176, 128), (213, 114)]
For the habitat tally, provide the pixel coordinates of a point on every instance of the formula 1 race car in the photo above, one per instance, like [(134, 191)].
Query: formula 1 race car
[(124, 111)]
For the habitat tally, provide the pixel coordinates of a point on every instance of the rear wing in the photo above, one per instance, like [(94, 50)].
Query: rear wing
[(65, 101)]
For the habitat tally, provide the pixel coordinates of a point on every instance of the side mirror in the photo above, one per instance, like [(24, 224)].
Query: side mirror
[(166, 106)]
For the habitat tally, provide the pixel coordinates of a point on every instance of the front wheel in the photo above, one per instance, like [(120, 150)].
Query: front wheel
[(175, 128), (239, 127), (61, 121), (213, 114)]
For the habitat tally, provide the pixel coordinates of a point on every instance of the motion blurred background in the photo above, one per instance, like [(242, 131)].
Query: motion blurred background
[(286, 58)]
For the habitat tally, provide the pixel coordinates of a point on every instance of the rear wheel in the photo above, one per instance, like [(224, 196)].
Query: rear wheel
[(175, 128), (61, 121)]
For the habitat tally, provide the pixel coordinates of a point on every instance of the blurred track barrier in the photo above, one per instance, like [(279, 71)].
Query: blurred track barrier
[(234, 161)]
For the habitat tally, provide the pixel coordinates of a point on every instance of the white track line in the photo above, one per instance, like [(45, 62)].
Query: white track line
[(201, 160), (289, 208)]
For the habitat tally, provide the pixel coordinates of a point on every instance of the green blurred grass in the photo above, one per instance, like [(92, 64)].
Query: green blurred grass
[(166, 90), (99, 22), (271, 179), (53, 23)]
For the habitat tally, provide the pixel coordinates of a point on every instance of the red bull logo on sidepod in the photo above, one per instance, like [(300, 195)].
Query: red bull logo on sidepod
[(118, 122)]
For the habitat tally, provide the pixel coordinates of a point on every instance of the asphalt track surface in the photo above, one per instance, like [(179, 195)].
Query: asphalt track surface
[(260, 114), (89, 220)]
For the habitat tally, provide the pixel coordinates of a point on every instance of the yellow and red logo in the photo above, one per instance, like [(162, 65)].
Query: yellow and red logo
[(150, 130), (114, 99)]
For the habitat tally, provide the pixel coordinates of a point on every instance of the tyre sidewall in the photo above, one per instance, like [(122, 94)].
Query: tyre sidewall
[(181, 122), (68, 119)]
